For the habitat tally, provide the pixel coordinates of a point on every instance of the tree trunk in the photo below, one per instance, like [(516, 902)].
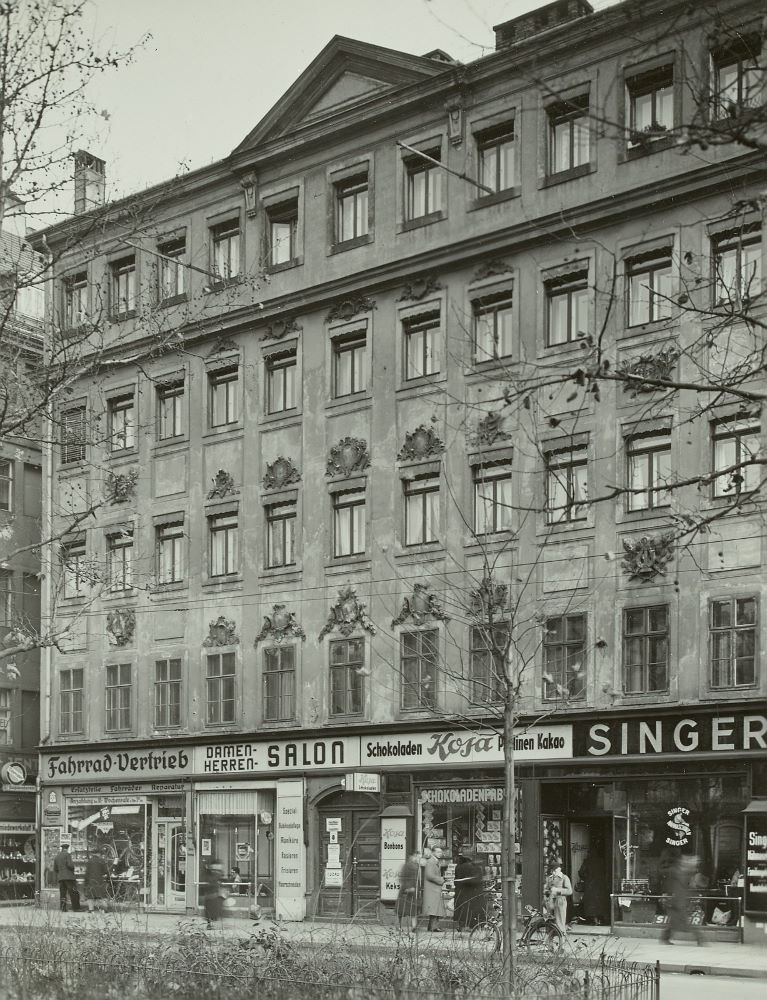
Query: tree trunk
[(508, 854)]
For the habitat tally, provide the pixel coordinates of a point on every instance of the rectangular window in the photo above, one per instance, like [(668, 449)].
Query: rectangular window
[(566, 485), (224, 539), (487, 657), (225, 250), (118, 697), (649, 470), (737, 78), (171, 271), (75, 300), (564, 658), (6, 597), (645, 649), (76, 575), (123, 287), (224, 396), (347, 662), (649, 286), (6, 485), (495, 153), (421, 346), (281, 382), (170, 411), (167, 693), (280, 534), (650, 98), (736, 443), (122, 426), (120, 561), (71, 701), (349, 364), (419, 658), (567, 308), (349, 523), (170, 553), (73, 435), (6, 705), (423, 186), (352, 208), (220, 683), (732, 641), (421, 510), (569, 134), (492, 499), (737, 260), (279, 683), (493, 327), (283, 233)]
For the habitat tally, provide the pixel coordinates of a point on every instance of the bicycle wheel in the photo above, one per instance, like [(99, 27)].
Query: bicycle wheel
[(485, 939), (543, 937)]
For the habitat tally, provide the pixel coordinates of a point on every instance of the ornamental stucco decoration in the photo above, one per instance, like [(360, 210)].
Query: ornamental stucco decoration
[(224, 346), (121, 486), (280, 328), (121, 626), (223, 486), (648, 556), (419, 288), (420, 607), (222, 632), (489, 430), (658, 367), (489, 600), (493, 268), (347, 615), (349, 308), (350, 455), (279, 625), (420, 443), (281, 472)]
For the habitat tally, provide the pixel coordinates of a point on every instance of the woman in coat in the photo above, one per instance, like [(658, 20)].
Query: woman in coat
[(407, 899), (595, 903), (433, 903), (469, 893)]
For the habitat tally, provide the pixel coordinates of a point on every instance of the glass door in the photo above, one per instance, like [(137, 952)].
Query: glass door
[(169, 874)]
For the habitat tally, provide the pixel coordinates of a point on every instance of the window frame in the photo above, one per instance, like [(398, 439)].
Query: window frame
[(646, 635), (7, 601), (427, 327), (494, 304), (352, 186), (560, 672), (423, 660), (175, 393), (75, 291), (738, 242), (216, 681), (122, 438), (123, 287), (495, 138), (568, 112), (735, 429), (570, 287), (281, 368), (226, 249), (745, 49), (495, 474), (283, 520), (569, 512), (650, 82), (167, 693), (120, 556), (355, 526), (735, 629), (283, 677), (640, 445), (227, 525), (421, 496), (70, 706), (76, 434), (118, 705), (6, 715), (220, 381), (480, 651), (355, 346), (171, 274), (170, 544), (282, 214), (353, 693), (73, 564), (651, 267), (7, 485), (415, 167)]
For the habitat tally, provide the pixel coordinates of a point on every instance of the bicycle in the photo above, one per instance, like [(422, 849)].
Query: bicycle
[(540, 933)]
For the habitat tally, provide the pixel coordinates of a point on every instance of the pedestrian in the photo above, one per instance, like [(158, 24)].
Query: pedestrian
[(433, 881), (680, 875), (595, 903), (469, 907), (213, 893), (96, 872), (64, 872), (557, 888), (407, 898)]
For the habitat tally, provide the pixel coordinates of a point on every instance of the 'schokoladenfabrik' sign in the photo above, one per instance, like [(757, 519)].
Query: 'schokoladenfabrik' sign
[(693, 733)]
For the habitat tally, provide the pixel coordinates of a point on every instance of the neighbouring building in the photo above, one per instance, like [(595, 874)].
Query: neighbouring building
[(21, 349), (321, 486)]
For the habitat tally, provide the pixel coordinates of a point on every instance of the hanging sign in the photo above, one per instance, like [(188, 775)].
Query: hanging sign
[(393, 854)]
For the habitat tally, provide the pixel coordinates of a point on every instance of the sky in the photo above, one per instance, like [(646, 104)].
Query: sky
[(213, 68)]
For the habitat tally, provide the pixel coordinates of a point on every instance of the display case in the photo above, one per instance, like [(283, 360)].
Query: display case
[(18, 863)]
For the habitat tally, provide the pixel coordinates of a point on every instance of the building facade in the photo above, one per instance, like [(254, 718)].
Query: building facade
[(364, 446)]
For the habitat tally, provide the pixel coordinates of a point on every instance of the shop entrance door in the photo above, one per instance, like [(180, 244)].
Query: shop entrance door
[(350, 860), (169, 874)]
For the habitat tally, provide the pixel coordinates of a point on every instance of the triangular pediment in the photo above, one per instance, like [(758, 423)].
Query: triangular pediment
[(345, 73)]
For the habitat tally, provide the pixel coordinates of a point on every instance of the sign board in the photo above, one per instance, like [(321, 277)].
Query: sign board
[(333, 837), (755, 899), (109, 765), (393, 854), (13, 773), (29, 789), (289, 850), (206, 847), (334, 877), (332, 823), (362, 781), (9, 826), (279, 755), (334, 855), (460, 746)]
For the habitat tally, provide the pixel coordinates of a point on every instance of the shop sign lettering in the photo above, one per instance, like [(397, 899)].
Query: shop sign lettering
[(393, 854), (84, 765), (461, 796), (460, 747), (739, 731), (283, 755), (678, 824)]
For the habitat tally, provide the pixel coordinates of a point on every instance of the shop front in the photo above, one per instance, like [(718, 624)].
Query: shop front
[(18, 853)]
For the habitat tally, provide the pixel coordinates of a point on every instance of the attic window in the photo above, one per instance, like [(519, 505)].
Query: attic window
[(423, 185)]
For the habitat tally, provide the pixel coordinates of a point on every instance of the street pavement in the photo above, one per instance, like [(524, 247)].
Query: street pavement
[(715, 959)]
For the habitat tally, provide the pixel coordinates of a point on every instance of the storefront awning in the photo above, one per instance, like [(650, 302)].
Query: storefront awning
[(756, 806)]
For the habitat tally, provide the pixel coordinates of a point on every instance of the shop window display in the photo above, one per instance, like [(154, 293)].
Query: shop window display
[(244, 852), (17, 865), (118, 832)]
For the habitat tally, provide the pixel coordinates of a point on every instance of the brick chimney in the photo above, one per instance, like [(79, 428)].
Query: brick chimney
[(535, 21), (90, 181)]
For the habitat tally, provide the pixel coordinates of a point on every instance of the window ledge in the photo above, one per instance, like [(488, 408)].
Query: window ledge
[(423, 220), (646, 514), (426, 383), (276, 725), (498, 542), (351, 402), (649, 147), (169, 588), (174, 300), (566, 527), (218, 286), (551, 180), (422, 549), (341, 563), (358, 241), (281, 574), (225, 429), (230, 727), (223, 582), (71, 468), (492, 364), (667, 325), (123, 316), (497, 198), (116, 596), (287, 266), (123, 455), (74, 602), (571, 348), (167, 444), (294, 413), (344, 720)]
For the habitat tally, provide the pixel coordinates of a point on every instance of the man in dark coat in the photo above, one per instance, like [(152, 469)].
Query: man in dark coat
[(64, 872), (469, 904)]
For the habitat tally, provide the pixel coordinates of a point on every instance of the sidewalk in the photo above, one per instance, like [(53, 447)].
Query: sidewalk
[(716, 959)]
